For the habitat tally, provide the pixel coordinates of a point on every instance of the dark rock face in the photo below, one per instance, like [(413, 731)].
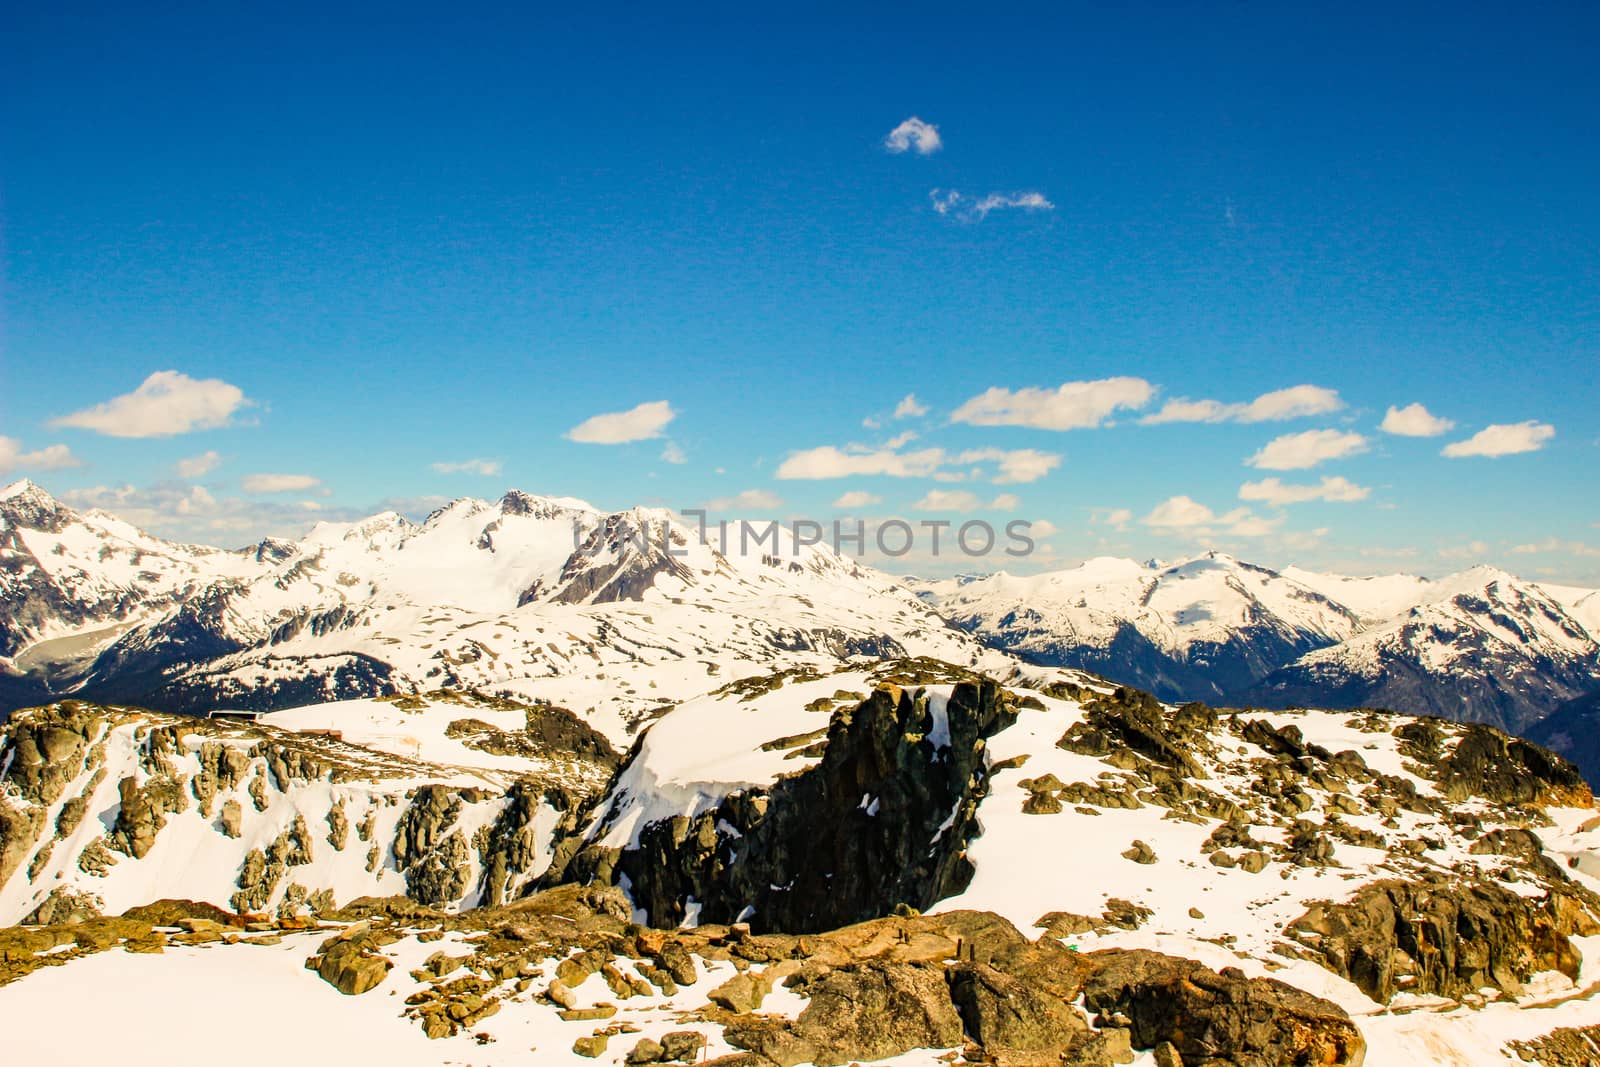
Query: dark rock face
[(619, 561), (433, 857), (1217, 1018), (1135, 720), (903, 845), (1573, 731), (1445, 935), (1487, 763)]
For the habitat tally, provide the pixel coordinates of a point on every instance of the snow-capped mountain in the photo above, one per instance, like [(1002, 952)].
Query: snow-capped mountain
[(1480, 645), (615, 614)]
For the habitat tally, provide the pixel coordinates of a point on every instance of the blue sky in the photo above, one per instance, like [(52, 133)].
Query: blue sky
[(353, 247)]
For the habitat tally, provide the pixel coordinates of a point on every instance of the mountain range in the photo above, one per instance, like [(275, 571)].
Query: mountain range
[(622, 614), (530, 777), (1481, 645)]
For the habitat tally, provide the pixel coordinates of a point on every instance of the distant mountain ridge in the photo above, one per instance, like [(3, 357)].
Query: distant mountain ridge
[(551, 598), (1482, 645), (536, 595)]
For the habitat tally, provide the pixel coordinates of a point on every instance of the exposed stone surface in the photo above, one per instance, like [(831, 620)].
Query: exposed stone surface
[(1445, 935), (1209, 1017), (759, 847)]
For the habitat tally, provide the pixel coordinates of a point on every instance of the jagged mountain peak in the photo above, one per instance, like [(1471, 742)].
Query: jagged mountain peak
[(23, 503), (23, 487)]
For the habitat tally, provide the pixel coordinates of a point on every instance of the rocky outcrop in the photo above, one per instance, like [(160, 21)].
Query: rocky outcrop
[(1567, 1047), (350, 961), (1218, 1018), (758, 855), (1475, 760), (1444, 934), (433, 857)]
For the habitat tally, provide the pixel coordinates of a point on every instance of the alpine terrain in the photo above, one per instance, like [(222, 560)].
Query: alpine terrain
[(531, 782), (1479, 646)]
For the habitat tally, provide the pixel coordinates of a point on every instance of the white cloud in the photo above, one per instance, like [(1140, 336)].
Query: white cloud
[(975, 209), (857, 498), (1502, 440), (900, 440), (1116, 518), (49, 458), (963, 501), (280, 483), (1273, 491), (1280, 405), (1017, 467), (486, 467), (199, 466), (914, 133), (1297, 451), (1414, 420), (165, 404), (1075, 405), (749, 500), (1555, 546), (909, 408), (1470, 550), (831, 462), (192, 513), (619, 428), (671, 453), (1187, 516), (1180, 511)]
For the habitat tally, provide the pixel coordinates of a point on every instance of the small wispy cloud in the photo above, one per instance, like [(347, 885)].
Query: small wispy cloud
[(915, 134), (1414, 420), (1502, 440), (486, 467), (960, 500), (749, 500), (857, 498), (199, 466), (1298, 451), (1187, 516), (955, 204), (910, 408), (280, 483), (1073, 406), (1556, 546), (165, 404), (1274, 491), (622, 427), (1016, 466), (49, 458), (671, 453), (1279, 405), (829, 461)]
